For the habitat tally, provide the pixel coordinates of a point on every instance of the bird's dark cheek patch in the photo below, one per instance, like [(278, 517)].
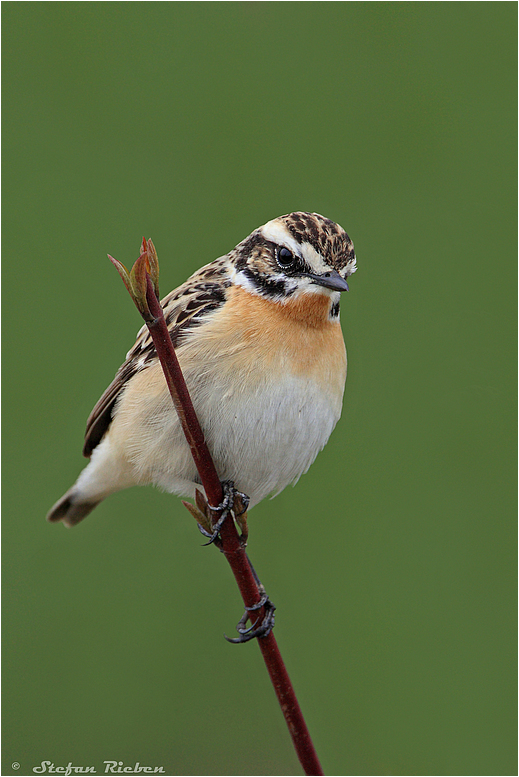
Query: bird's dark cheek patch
[(268, 287)]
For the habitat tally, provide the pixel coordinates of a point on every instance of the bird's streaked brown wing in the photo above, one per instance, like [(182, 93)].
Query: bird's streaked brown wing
[(184, 308)]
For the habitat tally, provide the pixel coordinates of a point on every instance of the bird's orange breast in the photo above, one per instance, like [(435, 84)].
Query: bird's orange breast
[(295, 336)]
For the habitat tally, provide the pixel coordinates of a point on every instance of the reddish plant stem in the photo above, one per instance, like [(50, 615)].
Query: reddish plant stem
[(231, 545), (181, 398)]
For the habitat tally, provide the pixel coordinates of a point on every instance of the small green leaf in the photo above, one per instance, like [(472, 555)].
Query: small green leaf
[(136, 280), (199, 517), (123, 272), (139, 286), (153, 267)]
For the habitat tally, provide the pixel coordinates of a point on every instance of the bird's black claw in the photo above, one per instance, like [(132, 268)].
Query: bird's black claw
[(231, 499), (228, 497), (263, 630), (203, 531), (214, 537)]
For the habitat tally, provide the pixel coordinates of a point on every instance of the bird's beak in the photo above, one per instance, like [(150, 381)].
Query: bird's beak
[(331, 280)]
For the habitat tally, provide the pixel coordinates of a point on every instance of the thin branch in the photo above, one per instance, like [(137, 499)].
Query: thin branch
[(142, 283)]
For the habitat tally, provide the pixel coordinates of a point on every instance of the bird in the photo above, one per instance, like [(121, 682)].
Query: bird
[(258, 337)]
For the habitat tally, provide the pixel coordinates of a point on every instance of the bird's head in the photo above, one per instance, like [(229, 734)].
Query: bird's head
[(300, 253)]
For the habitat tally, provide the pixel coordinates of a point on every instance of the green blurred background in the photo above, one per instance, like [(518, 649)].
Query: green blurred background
[(392, 562)]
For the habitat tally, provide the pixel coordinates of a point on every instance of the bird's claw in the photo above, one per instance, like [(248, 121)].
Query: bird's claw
[(233, 501), (265, 627), (214, 537)]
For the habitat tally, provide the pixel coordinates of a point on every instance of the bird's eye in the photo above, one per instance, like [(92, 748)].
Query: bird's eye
[(285, 257)]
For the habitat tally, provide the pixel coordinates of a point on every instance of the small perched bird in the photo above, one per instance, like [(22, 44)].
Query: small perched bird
[(258, 339)]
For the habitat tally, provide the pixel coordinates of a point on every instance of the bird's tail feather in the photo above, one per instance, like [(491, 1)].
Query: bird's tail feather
[(70, 508)]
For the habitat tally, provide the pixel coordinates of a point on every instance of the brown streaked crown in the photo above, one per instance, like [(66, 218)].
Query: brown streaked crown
[(325, 236)]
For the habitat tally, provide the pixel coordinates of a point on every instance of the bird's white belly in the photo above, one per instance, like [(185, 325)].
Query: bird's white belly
[(262, 438), (266, 441)]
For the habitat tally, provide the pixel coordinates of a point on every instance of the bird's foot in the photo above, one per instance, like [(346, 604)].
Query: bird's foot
[(255, 630), (234, 501)]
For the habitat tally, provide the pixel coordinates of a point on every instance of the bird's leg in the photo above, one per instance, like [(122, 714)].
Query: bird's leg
[(264, 628), (233, 502), (254, 630), (224, 508)]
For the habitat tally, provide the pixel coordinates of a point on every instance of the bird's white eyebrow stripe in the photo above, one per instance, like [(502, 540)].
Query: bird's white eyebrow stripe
[(279, 234)]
